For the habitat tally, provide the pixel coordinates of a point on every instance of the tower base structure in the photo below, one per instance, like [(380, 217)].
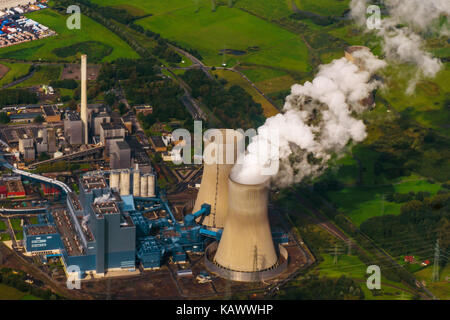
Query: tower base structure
[(244, 276)]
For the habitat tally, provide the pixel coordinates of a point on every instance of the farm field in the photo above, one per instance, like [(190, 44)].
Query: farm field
[(235, 79), (361, 203), (228, 28), (16, 71), (155, 7), (90, 31), (352, 267)]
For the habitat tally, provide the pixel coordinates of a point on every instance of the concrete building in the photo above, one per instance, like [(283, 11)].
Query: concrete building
[(29, 154), (51, 140), (41, 145), (110, 132), (120, 155), (97, 119), (25, 142), (73, 128)]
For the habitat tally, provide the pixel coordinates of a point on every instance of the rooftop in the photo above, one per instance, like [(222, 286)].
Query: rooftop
[(40, 230), (122, 145), (72, 116), (93, 182), (107, 207), (112, 126)]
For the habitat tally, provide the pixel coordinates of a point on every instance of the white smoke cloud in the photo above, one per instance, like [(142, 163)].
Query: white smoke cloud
[(401, 32), (317, 121)]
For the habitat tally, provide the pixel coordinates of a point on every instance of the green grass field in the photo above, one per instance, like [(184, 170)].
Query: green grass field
[(16, 71), (362, 203), (5, 237), (15, 222), (427, 104), (10, 293), (230, 28), (323, 7), (352, 267), (234, 78), (440, 288), (271, 10), (2, 225), (155, 7), (90, 31), (44, 75)]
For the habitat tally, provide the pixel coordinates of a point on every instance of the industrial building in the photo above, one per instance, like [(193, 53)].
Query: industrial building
[(11, 187), (120, 155), (127, 223), (51, 113), (73, 128)]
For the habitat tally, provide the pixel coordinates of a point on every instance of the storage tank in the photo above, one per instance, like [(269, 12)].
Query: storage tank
[(114, 180), (246, 244), (144, 186), (216, 169), (151, 185), (136, 183), (125, 182)]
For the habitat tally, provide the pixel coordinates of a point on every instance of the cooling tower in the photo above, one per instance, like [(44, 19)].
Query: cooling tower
[(136, 183), (125, 182), (114, 180), (246, 243), (84, 111), (246, 251), (151, 185), (214, 185), (144, 186)]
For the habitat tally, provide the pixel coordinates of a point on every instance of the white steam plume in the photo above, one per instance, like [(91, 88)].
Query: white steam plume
[(317, 121), (401, 31)]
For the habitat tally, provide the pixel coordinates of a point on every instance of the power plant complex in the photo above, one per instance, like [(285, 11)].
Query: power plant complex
[(121, 221)]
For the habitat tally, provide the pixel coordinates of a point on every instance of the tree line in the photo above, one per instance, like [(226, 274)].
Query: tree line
[(234, 106)]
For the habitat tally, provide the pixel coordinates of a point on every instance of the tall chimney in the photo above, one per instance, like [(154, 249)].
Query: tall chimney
[(84, 112)]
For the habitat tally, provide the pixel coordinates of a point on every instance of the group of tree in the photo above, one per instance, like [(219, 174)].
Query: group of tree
[(4, 118), (16, 279), (17, 96), (314, 17), (234, 106), (65, 84), (405, 197), (415, 230), (315, 288), (142, 83), (163, 51)]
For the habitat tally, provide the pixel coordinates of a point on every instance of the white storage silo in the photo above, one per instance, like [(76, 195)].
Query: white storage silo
[(151, 185), (114, 180), (144, 186), (125, 182), (136, 183)]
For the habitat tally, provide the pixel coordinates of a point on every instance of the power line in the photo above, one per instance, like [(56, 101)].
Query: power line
[(436, 262)]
